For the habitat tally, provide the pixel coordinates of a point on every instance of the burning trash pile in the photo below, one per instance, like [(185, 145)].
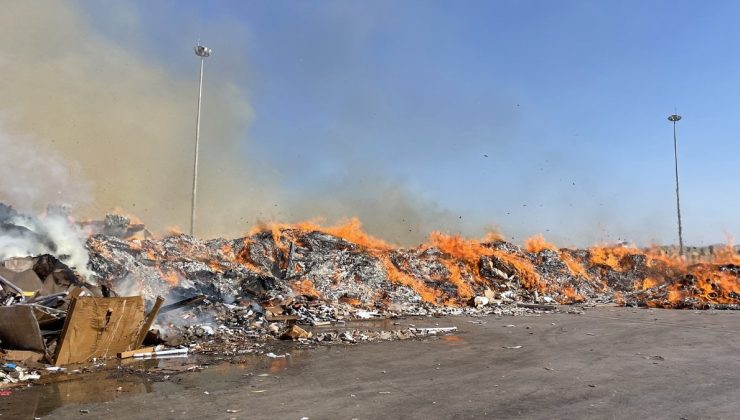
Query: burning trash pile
[(121, 291), (52, 312), (323, 274)]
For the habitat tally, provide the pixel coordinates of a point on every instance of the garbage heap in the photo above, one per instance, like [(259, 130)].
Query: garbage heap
[(301, 282), (325, 268), (51, 310)]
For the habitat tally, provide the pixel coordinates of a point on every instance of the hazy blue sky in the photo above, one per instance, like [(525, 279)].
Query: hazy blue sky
[(534, 116)]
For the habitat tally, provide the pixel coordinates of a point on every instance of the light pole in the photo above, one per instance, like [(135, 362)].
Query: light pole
[(674, 119), (202, 52)]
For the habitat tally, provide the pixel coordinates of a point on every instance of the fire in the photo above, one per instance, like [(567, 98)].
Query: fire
[(611, 256), (243, 258), (713, 285), (726, 255), (170, 277), (351, 231), (395, 275), (571, 296), (451, 269), (648, 283), (173, 230), (463, 289), (537, 243), (574, 266), (350, 301), (470, 251), (227, 250), (304, 288)]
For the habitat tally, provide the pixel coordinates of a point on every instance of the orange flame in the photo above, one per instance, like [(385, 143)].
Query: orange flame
[(304, 288), (537, 243)]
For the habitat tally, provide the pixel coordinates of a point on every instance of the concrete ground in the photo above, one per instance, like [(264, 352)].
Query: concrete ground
[(611, 363)]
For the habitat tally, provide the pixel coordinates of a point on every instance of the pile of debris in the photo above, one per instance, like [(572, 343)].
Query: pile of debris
[(303, 283), (62, 319), (321, 269)]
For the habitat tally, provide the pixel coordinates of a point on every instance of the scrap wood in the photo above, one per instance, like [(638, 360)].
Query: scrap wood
[(538, 306), (282, 318), (132, 353), (99, 327), (155, 353), (151, 316), (23, 356)]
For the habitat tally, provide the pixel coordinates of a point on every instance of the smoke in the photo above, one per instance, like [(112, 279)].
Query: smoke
[(32, 176), (119, 114), (94, 122), (387, 208), (55, 233)]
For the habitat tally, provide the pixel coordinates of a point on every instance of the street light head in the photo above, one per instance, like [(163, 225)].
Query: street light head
[(202, 51), (674, 118)]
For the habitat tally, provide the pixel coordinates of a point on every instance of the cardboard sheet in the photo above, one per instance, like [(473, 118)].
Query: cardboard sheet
[(19, 328), (99, 327)]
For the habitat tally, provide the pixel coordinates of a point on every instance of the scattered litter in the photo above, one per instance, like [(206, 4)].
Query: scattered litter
[(361, 314), (160, 353), (512, 347), (433, 331), (480, 301)]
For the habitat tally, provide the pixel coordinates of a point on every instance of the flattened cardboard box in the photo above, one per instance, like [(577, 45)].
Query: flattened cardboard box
[(19, 328), (99, 327)]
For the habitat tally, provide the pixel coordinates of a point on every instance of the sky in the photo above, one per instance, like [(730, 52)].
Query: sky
[(528, 117)]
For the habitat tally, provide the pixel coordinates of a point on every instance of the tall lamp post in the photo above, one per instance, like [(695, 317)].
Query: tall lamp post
[(202, 52), (674, 119)]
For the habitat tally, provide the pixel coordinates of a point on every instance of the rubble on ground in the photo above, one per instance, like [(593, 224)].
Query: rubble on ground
[(308, 284)]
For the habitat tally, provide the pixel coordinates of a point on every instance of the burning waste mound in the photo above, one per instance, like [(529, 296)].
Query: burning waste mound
[(343, 265), (234, 295)]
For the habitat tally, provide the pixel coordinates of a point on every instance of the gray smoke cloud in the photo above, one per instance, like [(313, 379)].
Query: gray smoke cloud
[(97, 124)]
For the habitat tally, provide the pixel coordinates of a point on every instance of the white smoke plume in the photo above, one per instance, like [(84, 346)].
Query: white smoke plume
[(30, 178)]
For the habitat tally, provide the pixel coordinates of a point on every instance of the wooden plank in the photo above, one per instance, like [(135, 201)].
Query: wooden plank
[(281, 318), (149, 321), (131, 353)]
